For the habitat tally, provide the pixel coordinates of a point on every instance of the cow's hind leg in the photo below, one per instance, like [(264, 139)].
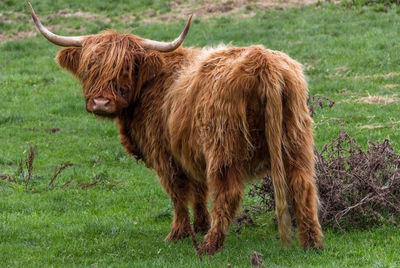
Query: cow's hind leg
[(304, 199), (227, 187), (201, 221)]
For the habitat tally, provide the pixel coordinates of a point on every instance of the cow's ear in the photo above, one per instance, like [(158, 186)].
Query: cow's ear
[(151, 64), (68, 58)]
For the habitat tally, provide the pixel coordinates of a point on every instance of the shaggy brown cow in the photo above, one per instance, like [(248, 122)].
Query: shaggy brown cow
[(204, 120)]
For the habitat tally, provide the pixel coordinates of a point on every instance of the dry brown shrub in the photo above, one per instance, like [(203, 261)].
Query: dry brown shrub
[(357, 188)]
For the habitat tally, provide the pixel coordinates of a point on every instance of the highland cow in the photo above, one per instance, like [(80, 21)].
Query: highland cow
[(206, 120)]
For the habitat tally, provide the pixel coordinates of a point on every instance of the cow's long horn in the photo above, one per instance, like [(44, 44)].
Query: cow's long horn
[(65, 41), (168, 46)]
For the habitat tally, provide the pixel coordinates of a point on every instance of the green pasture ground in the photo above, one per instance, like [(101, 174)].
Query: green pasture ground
[(351, 55)]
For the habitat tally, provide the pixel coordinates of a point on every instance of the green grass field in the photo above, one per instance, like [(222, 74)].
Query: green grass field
[(351, 54)]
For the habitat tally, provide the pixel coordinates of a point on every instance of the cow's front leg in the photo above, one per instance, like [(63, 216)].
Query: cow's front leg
[(177, 186), (201, 221), (227, 187), (181, 223)]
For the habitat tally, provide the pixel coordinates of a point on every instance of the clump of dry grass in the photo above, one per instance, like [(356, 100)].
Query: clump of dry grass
[(27, 175), (29, 165), (256, 260), (318, 101)]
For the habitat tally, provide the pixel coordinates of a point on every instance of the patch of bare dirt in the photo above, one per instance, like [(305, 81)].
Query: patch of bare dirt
[(206, 9), (341, 71), (16, 36), (52, 130), (9, 18), (15, 17), (67, 13), (180, 9), (385, 76), (362, 77), (385, 125), (390, 86), (379, 99)]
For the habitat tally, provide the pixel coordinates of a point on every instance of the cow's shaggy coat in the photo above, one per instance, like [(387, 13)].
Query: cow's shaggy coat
[(207, 120)]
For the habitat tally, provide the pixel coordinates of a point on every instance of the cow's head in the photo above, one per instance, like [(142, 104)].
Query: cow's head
[(112, 67)]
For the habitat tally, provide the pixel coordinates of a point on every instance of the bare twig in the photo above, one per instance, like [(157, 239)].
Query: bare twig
[(58, 171), (68, 183), (20, 168), (29, 164), (7, 177), (87, 185)]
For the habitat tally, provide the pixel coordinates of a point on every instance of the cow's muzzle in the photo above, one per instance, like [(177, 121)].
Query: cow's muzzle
[(101, 106)]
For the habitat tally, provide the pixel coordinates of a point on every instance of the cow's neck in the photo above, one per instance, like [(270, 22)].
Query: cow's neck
[(142, 125)]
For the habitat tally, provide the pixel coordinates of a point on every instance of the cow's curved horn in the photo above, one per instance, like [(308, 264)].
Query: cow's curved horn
[(65, 41), (168, 46)]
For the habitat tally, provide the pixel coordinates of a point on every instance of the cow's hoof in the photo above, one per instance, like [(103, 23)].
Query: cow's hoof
[(313, 245), (201, 226), (176, 234), (213, 242), (311, 239)]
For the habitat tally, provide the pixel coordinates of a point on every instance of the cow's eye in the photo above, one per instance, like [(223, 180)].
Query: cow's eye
[(122, 92)]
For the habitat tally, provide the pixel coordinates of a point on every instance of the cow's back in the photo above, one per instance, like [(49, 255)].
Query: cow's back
[(215, 111)]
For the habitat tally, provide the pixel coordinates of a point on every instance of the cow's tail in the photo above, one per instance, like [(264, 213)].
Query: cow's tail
[(272, 82)]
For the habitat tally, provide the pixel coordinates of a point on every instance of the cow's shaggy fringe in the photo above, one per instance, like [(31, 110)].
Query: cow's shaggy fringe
[(357, 188)]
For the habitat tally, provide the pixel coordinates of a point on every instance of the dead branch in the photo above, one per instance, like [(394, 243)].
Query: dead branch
[(58, 171)]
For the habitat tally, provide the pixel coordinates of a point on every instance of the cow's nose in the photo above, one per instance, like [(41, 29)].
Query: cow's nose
[(101, 105)]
